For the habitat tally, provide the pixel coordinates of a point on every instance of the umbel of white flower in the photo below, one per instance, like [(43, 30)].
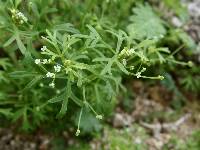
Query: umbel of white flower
[(44, 61), (57, 68), (19, 16), (37, 61), (52, 84), (100, 117), (78, 132), (44, 48), (138, 74), (50, 75)]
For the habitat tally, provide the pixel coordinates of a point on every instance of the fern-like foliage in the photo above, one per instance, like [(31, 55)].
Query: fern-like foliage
[(145, 23)]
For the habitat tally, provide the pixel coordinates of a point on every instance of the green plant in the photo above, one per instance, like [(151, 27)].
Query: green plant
[(53, 66), (145, 23)]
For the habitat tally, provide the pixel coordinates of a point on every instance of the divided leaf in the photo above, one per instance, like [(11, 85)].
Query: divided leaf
[(145, 23)]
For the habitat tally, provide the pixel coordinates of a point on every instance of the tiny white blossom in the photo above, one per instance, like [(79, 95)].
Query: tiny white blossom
[(44, 48), (131, 51), (50, 75), (100, 117), (138, 74), (78, 132), (161, 77), (21, 16), (45, 61), (124, 62), (57, 68), (37, 61), (52, 85), (43, 37), (18, 16), (143, 69)]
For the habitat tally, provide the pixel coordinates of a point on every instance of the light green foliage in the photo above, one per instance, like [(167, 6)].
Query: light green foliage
[(145, 23)]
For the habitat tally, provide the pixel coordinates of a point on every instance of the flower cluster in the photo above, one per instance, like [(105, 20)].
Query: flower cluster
[(78, 132), (100, 117), (138, 74), (57, 67), (124, 62), (44, 48), (18, 16), (50, 75), (42, 61)]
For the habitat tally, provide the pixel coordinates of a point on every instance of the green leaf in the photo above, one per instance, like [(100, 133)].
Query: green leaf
[(21, 46), (65, 100), (22, 74), (33, 82), (58, 98), (66, 27), (76, 100), (121, 67), (6, 111), (10, 40), (5, 63), (107, 68), (145, 23)]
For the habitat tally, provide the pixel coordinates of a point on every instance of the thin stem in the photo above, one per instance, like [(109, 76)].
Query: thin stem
[(92, 108), (79, 119)]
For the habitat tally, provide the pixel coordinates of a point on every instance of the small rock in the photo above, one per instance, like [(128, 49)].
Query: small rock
[(138, 140), (176, 22), (122, 120)]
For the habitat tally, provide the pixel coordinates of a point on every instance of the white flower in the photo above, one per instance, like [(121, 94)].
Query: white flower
[(57, 68), (19, 16), (52, 84), (22, 17), (131, 51), (138, 74), (161, 77), (44, 48), (100, 117), (143, 69), (44, 61), (124, 62), (37, 61), (50, 75), (78, 132)]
